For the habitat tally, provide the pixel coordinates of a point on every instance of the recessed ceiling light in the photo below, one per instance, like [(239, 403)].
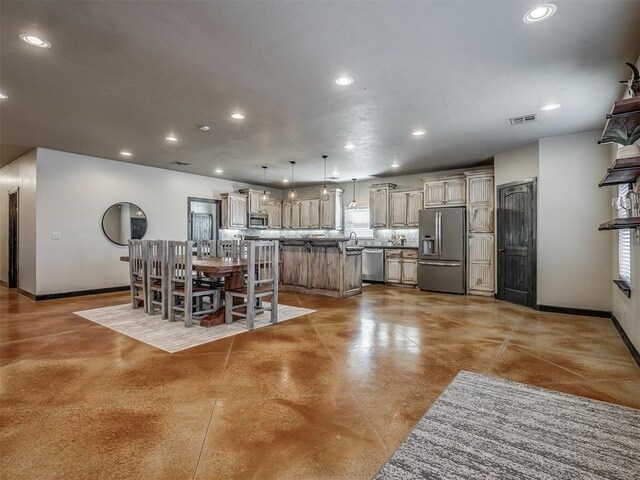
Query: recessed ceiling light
[(237, 116), (218, 170), (539, 13), (344, 81), (418, 133), (171, 138), (124, 153), (35, 41), (3, 96), (551, 106), (349, 146), (205, 128), (285, 180)]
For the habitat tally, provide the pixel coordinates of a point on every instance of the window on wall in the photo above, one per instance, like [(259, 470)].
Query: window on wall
[(624, 242), (357, 221)]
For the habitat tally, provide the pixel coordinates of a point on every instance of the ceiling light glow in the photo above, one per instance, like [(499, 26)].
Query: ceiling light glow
[(3, 96), (551, 106), (35, 41), (285, 180), (171, 138), (418, 133), (218, 170), (539, 13), (237, 116), (205, 128), (344, 81), (124, 153), (349, 146)]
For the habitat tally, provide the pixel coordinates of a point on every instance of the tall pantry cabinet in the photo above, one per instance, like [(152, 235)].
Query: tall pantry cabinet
[(480, 232)]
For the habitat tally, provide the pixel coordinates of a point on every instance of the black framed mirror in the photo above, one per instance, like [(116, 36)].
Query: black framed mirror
[(124, 221)]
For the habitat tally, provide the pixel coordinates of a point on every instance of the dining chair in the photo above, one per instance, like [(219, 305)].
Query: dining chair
[(186, 297), (206, 249), (137, 273), (228, 248), (157, 285), (262, 281)]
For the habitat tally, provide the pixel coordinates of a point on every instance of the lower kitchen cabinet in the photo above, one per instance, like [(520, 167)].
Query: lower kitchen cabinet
[(401, 267)]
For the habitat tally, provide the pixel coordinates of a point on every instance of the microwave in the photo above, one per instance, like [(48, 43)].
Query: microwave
[(258, 220)]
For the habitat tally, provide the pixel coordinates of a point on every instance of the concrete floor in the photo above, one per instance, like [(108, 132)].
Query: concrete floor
[(328, 395)]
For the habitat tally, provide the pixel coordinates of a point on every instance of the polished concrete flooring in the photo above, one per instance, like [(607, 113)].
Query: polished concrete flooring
[(329, 395)]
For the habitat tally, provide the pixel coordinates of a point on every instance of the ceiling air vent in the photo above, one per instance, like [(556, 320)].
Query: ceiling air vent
[(524, 119), (180, 163)]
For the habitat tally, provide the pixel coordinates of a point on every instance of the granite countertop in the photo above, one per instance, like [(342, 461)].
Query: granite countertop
[(406, 247), (302, 239)]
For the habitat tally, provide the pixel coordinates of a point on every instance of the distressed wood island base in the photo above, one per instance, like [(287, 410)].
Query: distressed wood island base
[(328, 267)]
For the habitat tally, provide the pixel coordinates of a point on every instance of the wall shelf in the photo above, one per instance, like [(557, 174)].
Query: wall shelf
[(621, 224), (625, 113), (624, 170)]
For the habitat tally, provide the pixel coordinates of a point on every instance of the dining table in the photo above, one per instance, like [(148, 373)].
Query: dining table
[(232, 270)]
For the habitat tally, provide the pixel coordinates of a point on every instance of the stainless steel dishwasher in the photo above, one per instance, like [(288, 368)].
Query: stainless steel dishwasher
[(373, 265)]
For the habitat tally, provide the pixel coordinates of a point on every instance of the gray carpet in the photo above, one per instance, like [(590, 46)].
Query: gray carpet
[(484, 427)]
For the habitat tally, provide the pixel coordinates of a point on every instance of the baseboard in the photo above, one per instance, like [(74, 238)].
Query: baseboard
[(26, 294), (634, 351), (574, 311), (79, 293), (4, 284)]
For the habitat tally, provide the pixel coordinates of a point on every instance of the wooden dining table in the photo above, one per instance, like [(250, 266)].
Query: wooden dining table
[(231, 269)]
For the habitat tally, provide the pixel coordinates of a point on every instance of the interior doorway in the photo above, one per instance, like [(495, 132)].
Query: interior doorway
[(203, 219), (516, 238), (13, 240)]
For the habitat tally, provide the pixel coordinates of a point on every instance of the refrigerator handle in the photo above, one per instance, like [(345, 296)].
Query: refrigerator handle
[(439, 232)]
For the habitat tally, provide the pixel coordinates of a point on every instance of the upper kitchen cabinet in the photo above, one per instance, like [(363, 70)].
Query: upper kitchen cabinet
[(295, 215), (254, 205), (234, 210), (445, 191), (404, 208), (286, 214), (309, 213), (274, 214), (331, 211), (379, 216), (480, 201)]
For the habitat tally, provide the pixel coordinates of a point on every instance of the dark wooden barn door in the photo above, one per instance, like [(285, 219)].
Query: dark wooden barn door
[(516, 230), (13, 240)]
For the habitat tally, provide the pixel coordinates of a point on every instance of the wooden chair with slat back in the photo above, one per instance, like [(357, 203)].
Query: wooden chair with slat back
[(228, 249), (206, 249), (137, 273), (262, 282), (187, 299), (157, 285)]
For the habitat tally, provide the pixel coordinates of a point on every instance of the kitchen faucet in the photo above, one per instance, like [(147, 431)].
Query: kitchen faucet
[(355, 235)]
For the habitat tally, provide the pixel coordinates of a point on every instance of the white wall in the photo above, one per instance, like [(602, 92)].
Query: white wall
[(73, 193), (516, 165), (21, 174), (574, 258)]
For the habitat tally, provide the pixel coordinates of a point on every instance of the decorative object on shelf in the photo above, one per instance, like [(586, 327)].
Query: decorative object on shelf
[(634, 83), (264, 198), (353, 205), (623, 127), (627, 138), (292, 193), (324, 192)]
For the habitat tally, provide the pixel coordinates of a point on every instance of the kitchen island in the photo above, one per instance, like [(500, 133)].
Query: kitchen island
[(320, 266)]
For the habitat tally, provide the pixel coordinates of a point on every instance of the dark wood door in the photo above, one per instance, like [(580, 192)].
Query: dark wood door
[(13, 240), (516, 231)]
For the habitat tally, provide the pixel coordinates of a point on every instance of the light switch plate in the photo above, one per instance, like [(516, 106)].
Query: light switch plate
[(56, 236)]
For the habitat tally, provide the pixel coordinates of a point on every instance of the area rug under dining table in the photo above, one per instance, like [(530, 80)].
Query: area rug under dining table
[(173, 336), (488, 428)]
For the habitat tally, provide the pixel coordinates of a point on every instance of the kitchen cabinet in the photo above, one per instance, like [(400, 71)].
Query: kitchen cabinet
[(274, 214), (305, 213), (295, 215), (379, 205), (286, 214), (404, 208), (254, 204), (234, 210), (401, 267), (444, 191), (314, 214), (331, 210), (480, 232)]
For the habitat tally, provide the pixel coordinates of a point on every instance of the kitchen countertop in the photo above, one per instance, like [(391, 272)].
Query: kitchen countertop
[(405, 247), (302, 239)]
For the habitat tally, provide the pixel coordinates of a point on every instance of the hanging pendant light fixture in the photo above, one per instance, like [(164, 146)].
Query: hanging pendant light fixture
[(324, 193), (292, 193), (353, 205), (264, 198)]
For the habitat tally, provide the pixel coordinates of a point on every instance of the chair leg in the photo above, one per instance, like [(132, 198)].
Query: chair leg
[(228, 305), (274, 307), (251, 313), (188, 311)]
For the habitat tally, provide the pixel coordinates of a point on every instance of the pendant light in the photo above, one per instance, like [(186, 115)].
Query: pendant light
[(353, 205), (264, 198), (292, 193), (324, 193)]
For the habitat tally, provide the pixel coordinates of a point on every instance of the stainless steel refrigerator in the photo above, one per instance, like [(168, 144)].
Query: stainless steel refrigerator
[(442, 243)]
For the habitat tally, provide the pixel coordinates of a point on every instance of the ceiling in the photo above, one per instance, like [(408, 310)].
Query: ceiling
[(123, 75)]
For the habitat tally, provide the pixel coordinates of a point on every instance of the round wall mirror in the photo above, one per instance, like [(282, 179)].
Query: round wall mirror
[(124, 221)]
